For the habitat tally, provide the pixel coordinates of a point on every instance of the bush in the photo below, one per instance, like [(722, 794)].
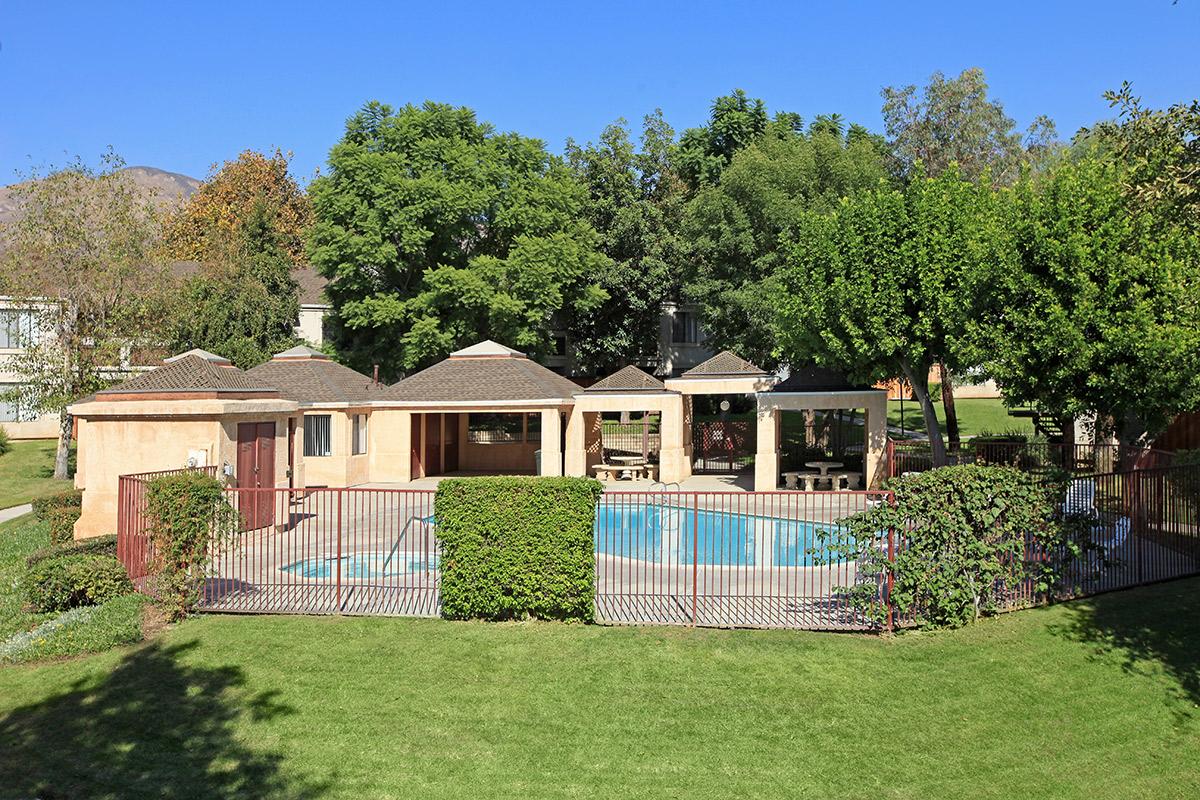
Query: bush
[(517, 547), (95, 545), (62, 524), (42, 506), (962, 536), (90, 629), (185, 511), (5, 444), (66, 582)]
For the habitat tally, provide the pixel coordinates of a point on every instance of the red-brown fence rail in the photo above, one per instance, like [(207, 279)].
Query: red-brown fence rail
[(916, 456), (133, 539)]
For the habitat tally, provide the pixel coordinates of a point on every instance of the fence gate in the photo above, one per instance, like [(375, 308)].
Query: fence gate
[(723, 445)]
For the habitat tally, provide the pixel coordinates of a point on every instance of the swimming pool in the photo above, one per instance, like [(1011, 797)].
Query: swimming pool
[(664, 534), (358, 565)]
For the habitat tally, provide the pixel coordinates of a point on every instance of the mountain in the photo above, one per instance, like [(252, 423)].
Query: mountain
[(163, 188)]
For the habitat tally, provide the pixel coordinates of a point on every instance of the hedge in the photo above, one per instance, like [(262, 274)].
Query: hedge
[(43, 505), (62, 524), (5, 444), (65, 582), (95, 545), (517, 547)]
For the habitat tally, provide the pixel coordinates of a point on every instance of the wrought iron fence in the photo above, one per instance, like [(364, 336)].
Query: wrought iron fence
[(916, 456)]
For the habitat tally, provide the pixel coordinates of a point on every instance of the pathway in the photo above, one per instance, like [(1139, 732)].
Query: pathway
[(15, 511)]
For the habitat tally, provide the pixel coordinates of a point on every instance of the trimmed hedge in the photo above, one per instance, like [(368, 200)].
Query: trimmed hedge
[(43, 505), (62, 524), (516, 547), (95, 545), (65, 582)]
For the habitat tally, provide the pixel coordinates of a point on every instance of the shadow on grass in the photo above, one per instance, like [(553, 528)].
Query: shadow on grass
[(153, 727), (1153, 625)]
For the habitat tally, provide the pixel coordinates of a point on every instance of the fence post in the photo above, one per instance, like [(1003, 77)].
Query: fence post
[(338, 498), (695, 550), (891, 578)]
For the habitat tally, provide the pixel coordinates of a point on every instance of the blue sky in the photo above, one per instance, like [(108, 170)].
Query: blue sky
[(183, 85)]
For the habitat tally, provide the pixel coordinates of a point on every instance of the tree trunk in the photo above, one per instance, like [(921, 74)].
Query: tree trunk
[(918, 378), (948, 404), (62, 456)]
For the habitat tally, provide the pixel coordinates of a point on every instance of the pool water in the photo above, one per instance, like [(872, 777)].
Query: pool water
[(358, 565), (664, 534)]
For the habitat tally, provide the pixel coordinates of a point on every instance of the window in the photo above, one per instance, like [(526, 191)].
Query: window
[(10, 411), (358, 434), (316, 435), (533, 427), (494, 428), (16, 328), (560, 344), (685, 328)]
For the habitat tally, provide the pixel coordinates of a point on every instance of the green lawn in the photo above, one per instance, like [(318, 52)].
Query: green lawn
[(1095, 699), (27, 472), (975, 416), (18, 538)]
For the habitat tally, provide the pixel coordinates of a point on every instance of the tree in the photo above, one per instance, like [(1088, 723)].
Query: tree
[(885, 285), (435, 231), (734, 230), (209, 223), (1101, 312), (634, 201), (82, 255), (245, 308), (954, 122), (735, 122)]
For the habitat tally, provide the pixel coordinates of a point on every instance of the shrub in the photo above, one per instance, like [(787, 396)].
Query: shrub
[(185, 511), (517, 547), (43, 505), (62, 524), (90, 629), (962, 537), (65, 582), (95, 545), (5, 444)]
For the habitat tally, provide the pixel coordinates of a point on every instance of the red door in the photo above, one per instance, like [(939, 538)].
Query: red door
[(433, 444), (451, 448), (256, 470)]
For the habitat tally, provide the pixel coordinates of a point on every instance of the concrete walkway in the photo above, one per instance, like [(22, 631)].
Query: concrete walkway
[(12, 513)]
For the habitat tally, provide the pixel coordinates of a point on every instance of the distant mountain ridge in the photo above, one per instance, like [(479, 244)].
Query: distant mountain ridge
[(164, 189)]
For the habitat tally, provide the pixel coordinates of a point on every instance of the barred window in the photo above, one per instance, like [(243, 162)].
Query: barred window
[(316, 435)]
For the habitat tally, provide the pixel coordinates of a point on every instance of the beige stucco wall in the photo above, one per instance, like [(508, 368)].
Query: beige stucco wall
[(583, 430), (125, 437), (341, 467)]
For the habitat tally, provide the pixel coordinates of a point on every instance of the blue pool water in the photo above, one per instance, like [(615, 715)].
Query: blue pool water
[(664, 534), (358, 565)]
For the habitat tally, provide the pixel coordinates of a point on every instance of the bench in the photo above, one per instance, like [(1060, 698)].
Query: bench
[(791, 480), (612, 472)]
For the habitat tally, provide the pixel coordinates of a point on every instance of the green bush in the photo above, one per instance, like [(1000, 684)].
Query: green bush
[(89, 629), (95, 545), (62, 524), (186, 511), (58, 584), (42, 506), (962, 535), (517, 547), (5, 444)]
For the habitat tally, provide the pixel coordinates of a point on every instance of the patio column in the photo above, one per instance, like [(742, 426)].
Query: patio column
[(552, 457), (575, 461), (672, 458), (390, 446), (766, 460), (875, 443)]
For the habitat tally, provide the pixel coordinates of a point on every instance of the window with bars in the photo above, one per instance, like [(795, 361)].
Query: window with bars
[(317, 438), (358, 434)]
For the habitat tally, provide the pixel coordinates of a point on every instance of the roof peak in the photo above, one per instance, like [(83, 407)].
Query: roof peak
[(628, 379), (724, 363), (211, 358), (487, 349), (300, 352)]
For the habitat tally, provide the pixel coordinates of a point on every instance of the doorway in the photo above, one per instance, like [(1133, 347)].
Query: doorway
[(256, 470)]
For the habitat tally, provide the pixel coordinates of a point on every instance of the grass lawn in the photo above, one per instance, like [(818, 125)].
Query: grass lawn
[(27, 471), (18, 538), (1096, 699), (976, 415)]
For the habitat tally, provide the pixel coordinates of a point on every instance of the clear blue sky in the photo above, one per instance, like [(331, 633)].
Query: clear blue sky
[(183, 85)]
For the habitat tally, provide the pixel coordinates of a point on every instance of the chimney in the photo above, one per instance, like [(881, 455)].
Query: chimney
[(376, 374)]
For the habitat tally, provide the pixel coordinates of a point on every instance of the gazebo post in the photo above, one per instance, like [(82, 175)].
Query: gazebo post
[(552, 457), (766, 459), (875, 441)]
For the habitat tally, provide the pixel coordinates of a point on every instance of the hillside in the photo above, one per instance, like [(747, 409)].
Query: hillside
[(164, 188)]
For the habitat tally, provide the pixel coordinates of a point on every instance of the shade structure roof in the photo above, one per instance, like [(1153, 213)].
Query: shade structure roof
[(629, 379), (817, 379), (486, 372), (309, 376), (191, 373), (725, 363)]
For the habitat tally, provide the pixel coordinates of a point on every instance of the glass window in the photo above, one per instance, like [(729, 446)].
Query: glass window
[(9, 409), (358, 434), (16, 328), (316, 435), (685, 328)]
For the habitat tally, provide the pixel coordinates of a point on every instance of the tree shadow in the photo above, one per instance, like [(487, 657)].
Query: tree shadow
[(1152, 625), (153, 727)]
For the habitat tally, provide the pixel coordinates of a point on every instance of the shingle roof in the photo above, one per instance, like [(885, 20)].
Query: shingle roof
[(629, 379), (312, 286), (725, 363), (308, 376), (483, 373), (191, 373)]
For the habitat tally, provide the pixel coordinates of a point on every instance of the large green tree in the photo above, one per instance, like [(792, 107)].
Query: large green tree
[(634, 202), (886, 285), (1101, 312), (735, 229), (435, 231)]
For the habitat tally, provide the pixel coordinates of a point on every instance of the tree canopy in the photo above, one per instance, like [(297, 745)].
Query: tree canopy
[(435, 231)]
